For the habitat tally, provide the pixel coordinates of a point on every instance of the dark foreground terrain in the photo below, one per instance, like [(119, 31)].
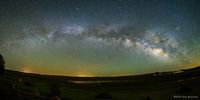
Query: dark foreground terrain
[(177, 85)]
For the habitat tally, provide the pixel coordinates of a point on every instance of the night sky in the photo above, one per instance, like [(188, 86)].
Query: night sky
[(99, 37)]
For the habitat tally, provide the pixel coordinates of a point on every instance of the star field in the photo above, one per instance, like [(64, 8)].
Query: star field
[(99, 37)]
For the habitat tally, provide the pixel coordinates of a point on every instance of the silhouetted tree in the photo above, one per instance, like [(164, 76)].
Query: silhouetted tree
[(2, 65)]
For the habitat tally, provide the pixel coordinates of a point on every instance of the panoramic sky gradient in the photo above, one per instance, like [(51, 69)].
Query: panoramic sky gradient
[(99, 37)]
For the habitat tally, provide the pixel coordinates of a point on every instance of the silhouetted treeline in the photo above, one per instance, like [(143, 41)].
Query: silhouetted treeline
[(2, 65)]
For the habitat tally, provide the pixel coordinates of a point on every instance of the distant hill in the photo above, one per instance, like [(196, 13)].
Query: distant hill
[(115, 77)]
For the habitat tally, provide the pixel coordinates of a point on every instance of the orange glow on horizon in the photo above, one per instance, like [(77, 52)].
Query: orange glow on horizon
[(83, 74), (26, 70)]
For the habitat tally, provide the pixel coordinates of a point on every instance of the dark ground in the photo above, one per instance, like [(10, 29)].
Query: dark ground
[(179, 85)]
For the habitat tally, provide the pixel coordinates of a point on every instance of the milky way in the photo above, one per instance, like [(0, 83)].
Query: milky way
[(100, 37)]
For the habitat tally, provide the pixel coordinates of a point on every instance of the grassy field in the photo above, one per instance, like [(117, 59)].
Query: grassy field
[(179, 85)]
